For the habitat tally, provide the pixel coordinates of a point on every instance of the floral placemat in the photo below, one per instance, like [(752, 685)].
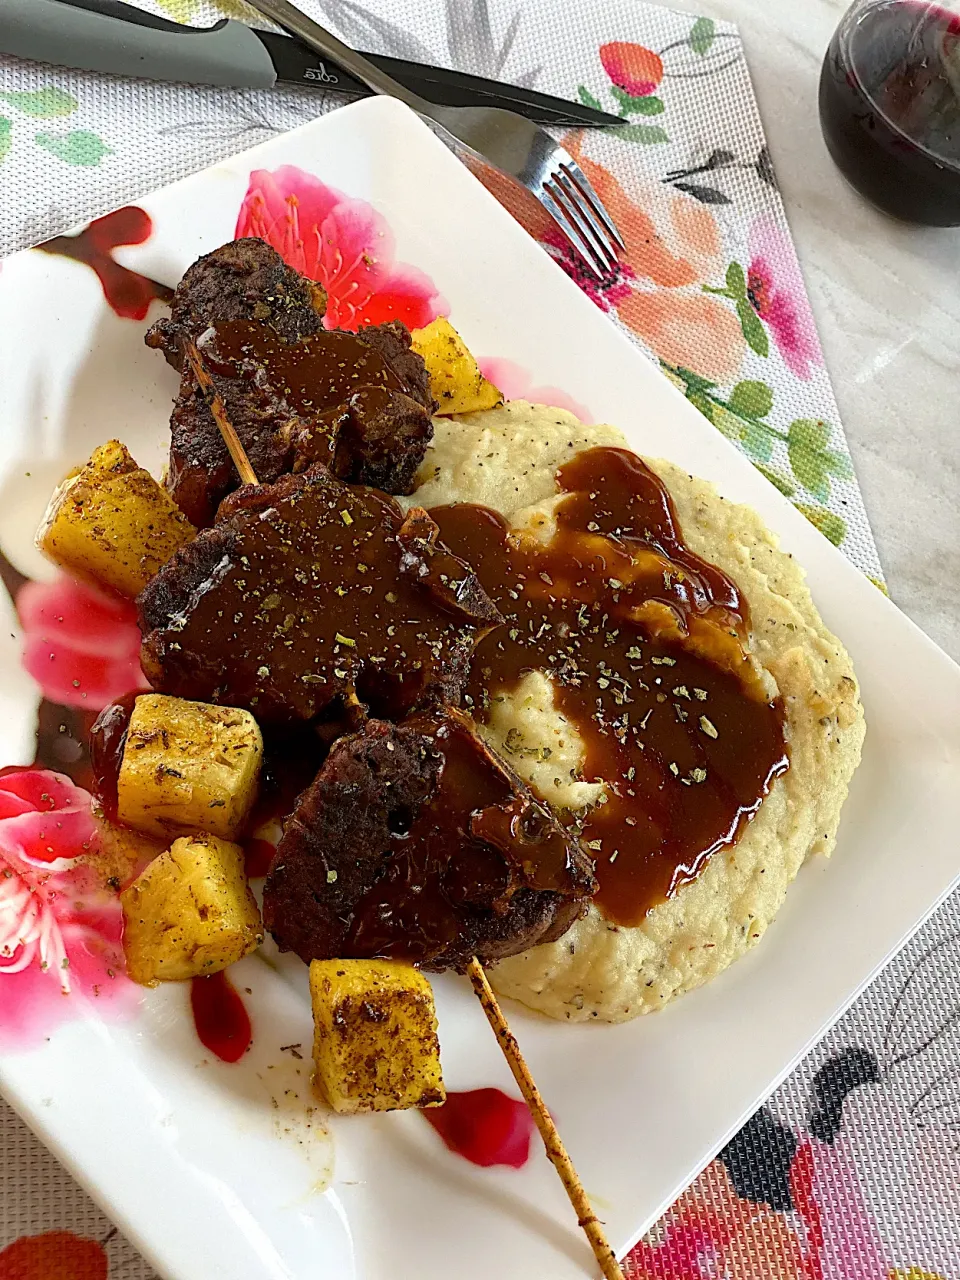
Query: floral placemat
[(851, 1170)]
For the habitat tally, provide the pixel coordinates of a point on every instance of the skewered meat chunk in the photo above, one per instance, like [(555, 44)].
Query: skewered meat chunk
[(309, 591), (200, 471), (417, 842), (261, 310), (361, 400), (243, 280), (376, 437)]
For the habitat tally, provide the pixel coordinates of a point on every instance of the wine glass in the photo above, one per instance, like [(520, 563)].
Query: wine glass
[(890, 106)]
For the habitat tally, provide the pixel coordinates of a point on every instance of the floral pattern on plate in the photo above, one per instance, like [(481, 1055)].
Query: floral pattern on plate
[(60, 922), (342, 243)]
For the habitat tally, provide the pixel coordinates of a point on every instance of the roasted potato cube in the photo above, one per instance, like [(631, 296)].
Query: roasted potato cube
[(111, 522), (190, 913), (121, 853), (455, 378), (188, 766), (375, 1036)]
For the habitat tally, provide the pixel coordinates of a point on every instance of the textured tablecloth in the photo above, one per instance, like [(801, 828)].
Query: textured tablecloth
[(851, 1170)]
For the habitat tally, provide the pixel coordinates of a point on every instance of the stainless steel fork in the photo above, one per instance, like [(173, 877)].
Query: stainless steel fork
[(491, 136)]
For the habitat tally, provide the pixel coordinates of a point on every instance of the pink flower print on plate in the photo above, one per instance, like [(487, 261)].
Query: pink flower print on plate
[(342, 243), (60, 923), (516, 383), (81, 644)]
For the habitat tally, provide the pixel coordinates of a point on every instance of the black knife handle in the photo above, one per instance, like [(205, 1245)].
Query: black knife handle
[(102, 38)]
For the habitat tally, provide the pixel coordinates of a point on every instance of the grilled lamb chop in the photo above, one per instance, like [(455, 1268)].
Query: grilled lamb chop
[(417, 842), (309, 591)]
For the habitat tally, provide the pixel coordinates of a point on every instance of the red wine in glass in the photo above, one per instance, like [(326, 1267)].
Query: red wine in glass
[(890, 107)]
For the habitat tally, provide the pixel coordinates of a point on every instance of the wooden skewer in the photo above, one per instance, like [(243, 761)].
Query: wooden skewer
[(212, 397), (556, 1151)]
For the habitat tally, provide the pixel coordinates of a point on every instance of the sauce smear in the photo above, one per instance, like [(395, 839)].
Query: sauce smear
[(108, 739), (644, 644), (485, 1126), (220, 1017), (257, 856), (126, 291)]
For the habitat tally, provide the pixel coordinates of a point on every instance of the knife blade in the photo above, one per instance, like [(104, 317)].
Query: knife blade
[(110, 36)]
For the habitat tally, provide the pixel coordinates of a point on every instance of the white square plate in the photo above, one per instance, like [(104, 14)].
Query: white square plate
[(211, 1168)]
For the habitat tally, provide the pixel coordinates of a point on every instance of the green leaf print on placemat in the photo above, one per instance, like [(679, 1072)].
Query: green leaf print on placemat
[(42, 103), (81, 147), (810, 459), (741, 417), (701, 35), (636, 73), (78, 147)]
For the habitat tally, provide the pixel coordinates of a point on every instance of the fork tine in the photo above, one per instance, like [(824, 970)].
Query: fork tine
[(588, 224), (569, 230), (572, 206), (574, 172)]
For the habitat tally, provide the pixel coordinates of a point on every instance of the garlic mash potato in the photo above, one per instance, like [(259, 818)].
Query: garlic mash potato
[(506, 459)]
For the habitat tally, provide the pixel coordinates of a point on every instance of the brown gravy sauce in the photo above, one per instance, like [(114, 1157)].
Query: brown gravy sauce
[(314, 600), (644, 642)]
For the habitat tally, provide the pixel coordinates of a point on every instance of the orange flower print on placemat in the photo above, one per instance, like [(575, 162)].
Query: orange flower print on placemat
[(57, 1255), (635, 73), (634, 69), (674, 248)]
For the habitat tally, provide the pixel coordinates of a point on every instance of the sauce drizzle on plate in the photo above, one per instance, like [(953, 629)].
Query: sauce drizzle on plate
[(220, 1017)]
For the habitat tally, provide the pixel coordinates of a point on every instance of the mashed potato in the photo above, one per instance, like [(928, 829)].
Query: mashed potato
[(506, 458)]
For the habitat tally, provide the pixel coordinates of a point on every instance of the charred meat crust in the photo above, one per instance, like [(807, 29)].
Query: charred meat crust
[(243, 280), (201, 472), (355, 830)]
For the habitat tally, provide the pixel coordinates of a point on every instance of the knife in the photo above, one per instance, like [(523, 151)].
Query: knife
[(107, 35)]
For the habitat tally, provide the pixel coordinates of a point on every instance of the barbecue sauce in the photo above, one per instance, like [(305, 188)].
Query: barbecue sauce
[(315, 375), (644, 643)]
